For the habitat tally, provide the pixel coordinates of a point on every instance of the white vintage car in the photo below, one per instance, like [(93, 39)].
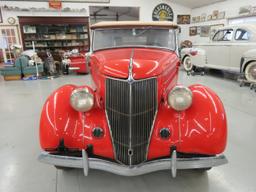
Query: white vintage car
[(232, 48)]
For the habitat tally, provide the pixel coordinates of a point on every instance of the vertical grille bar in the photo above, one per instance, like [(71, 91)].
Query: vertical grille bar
[(131, 109)]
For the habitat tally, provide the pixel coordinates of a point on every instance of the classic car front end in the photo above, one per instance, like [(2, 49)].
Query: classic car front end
[(135, 119)]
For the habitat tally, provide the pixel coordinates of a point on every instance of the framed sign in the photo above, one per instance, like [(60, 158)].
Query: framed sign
[(214, 29), (192, 31), (162, 12), (205, 31), (55, 4), (183, 19)]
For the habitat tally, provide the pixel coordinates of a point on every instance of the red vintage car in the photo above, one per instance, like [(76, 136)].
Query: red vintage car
[(74, 61), (136, 119)]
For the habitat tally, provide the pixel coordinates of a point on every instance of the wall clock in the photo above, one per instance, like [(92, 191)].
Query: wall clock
[(11, 20)]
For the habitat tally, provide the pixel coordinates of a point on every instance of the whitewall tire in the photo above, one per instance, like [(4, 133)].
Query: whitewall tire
[(188, 66), (250, 72)]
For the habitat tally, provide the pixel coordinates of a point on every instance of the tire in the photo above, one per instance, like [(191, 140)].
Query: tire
[(188, 66), (250, 72)]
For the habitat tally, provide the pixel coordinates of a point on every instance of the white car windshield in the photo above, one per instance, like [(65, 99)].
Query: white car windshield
[(134, 37)]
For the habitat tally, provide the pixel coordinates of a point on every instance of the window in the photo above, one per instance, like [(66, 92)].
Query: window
[(9, 37), (242, 20), (223, 35), (241, 35), (134, 37)]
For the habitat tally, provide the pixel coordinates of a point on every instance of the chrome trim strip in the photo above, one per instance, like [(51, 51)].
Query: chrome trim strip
[(130, 81), (130, 68), (153, 124), (73, 68), (147, 167), (126, 80)]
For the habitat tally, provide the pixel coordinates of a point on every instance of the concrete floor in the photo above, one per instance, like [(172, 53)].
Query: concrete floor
[(20, 106)]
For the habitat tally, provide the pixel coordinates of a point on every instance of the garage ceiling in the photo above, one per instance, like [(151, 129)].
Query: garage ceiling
[(195, 3)]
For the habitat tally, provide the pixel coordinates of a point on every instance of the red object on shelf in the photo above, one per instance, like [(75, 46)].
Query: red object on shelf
[(55, 4)]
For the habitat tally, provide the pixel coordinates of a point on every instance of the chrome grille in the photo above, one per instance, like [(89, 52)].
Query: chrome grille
[(131, 109)]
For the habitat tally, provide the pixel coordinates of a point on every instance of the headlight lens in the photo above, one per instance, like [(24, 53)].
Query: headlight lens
[(82, 100), (180, 98)]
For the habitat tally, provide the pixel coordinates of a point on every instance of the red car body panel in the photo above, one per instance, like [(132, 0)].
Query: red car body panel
[(201, 129), (78, 61), (146, 62)]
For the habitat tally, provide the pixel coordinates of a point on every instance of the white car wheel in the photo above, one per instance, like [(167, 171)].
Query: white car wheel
[(250, 72), (188, 66)]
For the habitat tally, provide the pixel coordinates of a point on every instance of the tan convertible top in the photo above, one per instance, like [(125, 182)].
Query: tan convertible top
[(124, 24)]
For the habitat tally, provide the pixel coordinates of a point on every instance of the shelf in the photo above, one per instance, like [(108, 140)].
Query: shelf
[(30, 47), (66, 33), (55, 39), (55, 33)]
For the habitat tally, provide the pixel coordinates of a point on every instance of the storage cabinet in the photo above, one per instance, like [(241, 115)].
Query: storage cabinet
[(55, 33)]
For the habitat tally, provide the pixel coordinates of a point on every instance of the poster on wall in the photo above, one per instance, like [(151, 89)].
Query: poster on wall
[(205, 31), (198, 30), (203, 17), (193, 20), (245, 10), (215, 14), (162, 12), (1, 17), (183, 19), (192, 31), (221, 15), (214, 29)]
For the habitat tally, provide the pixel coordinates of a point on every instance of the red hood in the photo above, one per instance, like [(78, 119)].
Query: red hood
[(146, 62)]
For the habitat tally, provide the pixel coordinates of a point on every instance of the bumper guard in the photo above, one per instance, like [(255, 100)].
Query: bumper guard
[(172, 164)]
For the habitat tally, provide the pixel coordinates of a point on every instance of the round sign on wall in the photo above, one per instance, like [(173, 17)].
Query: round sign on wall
[(162, 12)]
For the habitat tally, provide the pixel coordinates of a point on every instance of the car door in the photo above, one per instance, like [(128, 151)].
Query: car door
[(218, 53), (239, 47)]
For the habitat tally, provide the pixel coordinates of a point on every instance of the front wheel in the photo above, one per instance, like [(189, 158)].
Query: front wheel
[(188, 66), (250, 72)]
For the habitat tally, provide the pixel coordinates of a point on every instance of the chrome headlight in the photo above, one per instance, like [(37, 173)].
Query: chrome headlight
[(81, 99), (180, 98)]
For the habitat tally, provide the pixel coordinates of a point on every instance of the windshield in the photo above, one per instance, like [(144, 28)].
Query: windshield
[(134, 37)]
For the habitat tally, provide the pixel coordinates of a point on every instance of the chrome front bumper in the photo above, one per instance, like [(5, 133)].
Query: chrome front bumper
[(172, 164)]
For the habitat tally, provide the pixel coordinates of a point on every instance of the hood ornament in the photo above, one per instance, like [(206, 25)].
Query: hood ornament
[(130, 69)]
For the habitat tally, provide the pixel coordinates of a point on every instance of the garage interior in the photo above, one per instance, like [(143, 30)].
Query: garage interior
[(22, 98)]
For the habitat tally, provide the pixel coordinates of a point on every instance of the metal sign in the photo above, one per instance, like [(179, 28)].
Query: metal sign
[(162, 12)]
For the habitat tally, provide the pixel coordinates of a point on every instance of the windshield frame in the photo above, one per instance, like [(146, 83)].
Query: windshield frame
[(135, 46)]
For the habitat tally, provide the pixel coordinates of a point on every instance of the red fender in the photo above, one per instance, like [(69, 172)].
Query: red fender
[(203, 127), (60, 121)]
